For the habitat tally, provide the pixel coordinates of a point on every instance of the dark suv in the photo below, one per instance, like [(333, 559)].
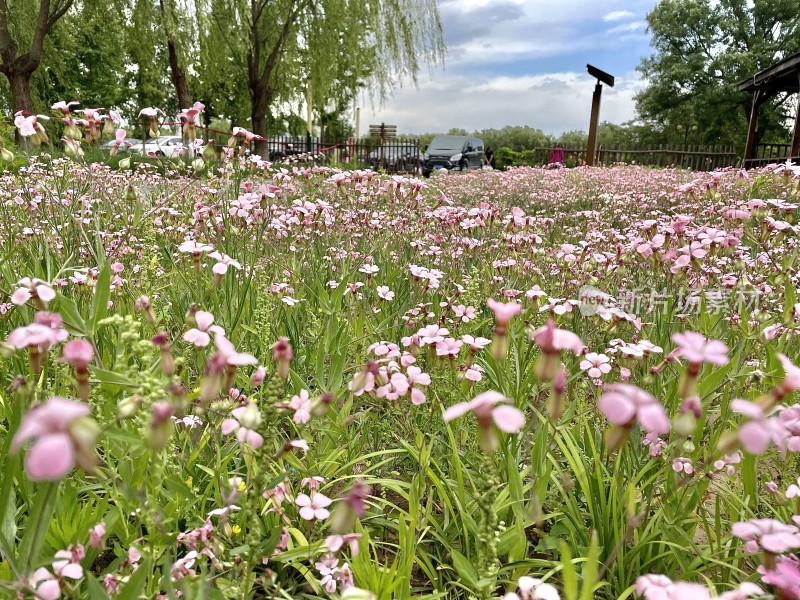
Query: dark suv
[(453, 152)]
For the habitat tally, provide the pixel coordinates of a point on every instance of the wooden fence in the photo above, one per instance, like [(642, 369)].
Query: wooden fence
[(767, 154), (698, 158), (405, 156), (394, 155)]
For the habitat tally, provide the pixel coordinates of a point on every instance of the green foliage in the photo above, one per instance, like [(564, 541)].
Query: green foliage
[(704, 48)]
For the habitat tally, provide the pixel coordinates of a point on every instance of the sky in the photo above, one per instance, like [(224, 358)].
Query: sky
[(523, 62)]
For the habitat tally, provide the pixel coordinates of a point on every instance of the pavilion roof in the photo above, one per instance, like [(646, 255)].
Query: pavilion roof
[(783, 76)]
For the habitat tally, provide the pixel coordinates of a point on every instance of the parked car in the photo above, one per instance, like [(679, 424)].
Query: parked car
[(107, 146), (165, 145), (454, 153), (398, 158)]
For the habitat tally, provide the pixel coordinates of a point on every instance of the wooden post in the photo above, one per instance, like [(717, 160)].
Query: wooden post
[(750, 146), (309, 115), (796, 136), (598, 90)]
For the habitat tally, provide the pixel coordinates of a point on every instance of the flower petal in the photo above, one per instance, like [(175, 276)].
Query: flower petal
[(50, 458)]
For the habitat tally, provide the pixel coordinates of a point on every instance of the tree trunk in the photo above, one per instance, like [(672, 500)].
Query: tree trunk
[(20, 83), (179, 78), (258, 117), (259, 122)]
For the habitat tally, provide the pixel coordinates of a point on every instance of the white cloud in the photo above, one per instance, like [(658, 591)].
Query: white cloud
[(481, 33), (553, 102), (618, 15), (520, 62), (634, 27)]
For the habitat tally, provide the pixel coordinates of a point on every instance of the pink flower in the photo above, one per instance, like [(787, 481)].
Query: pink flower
[(655, 443), (223, 262), (44, 585), (475, 344), (432, 334), (769, 535), (183, 566), (243, 434), (448, 347), (743, 592), (660, 587), (397, 386), (78, 353), (64, 106), (314, 507), (26, 125), (32, 288), (415, 376), (56, 448), (535, 589), (506, 418), (756, 434), (34, 335), (465, 313), (682, 465), (119, 139), (596, 365), (244, 133), (199, 335), (697, 349), (785, 576), (258, 376), (503, 312), (791, 381), (68, 563), (384, 293), (195, 248), (230, 355), (96, 535), (301, 405), (531, 588), (553, 341), (336, 542), (623, 403)]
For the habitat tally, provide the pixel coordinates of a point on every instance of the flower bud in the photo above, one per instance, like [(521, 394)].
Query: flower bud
[(129, 406), (251, 417), (84, 432)]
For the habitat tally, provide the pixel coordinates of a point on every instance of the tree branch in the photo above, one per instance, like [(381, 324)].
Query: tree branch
[(275, 53), (8, 45)]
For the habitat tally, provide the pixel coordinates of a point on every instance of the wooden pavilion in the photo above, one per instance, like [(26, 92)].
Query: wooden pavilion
[(783, 76)]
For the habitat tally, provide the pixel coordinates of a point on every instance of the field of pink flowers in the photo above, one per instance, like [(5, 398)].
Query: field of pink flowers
[(303, 382)]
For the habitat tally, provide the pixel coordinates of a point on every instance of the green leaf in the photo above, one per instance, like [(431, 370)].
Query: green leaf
[(102, 291), (568, 571), (111, 378), (590, 569), (465, 569), (133, 589), (69, 313), (37, 524), (8, 523), (96, 591)]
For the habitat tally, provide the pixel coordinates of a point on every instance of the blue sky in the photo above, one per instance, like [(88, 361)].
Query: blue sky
[(523, 62)]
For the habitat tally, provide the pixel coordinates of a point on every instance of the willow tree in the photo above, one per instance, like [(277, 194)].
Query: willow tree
[(278, 47), (22, 35), (175, 23)]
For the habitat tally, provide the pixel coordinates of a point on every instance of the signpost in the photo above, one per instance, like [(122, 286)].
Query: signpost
[(603, 77), (383, 131)]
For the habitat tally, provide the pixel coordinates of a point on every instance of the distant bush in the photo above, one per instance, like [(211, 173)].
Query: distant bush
[(506, 157)]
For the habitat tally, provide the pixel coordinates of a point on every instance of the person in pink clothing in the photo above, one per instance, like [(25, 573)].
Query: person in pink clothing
[(557, 155)]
